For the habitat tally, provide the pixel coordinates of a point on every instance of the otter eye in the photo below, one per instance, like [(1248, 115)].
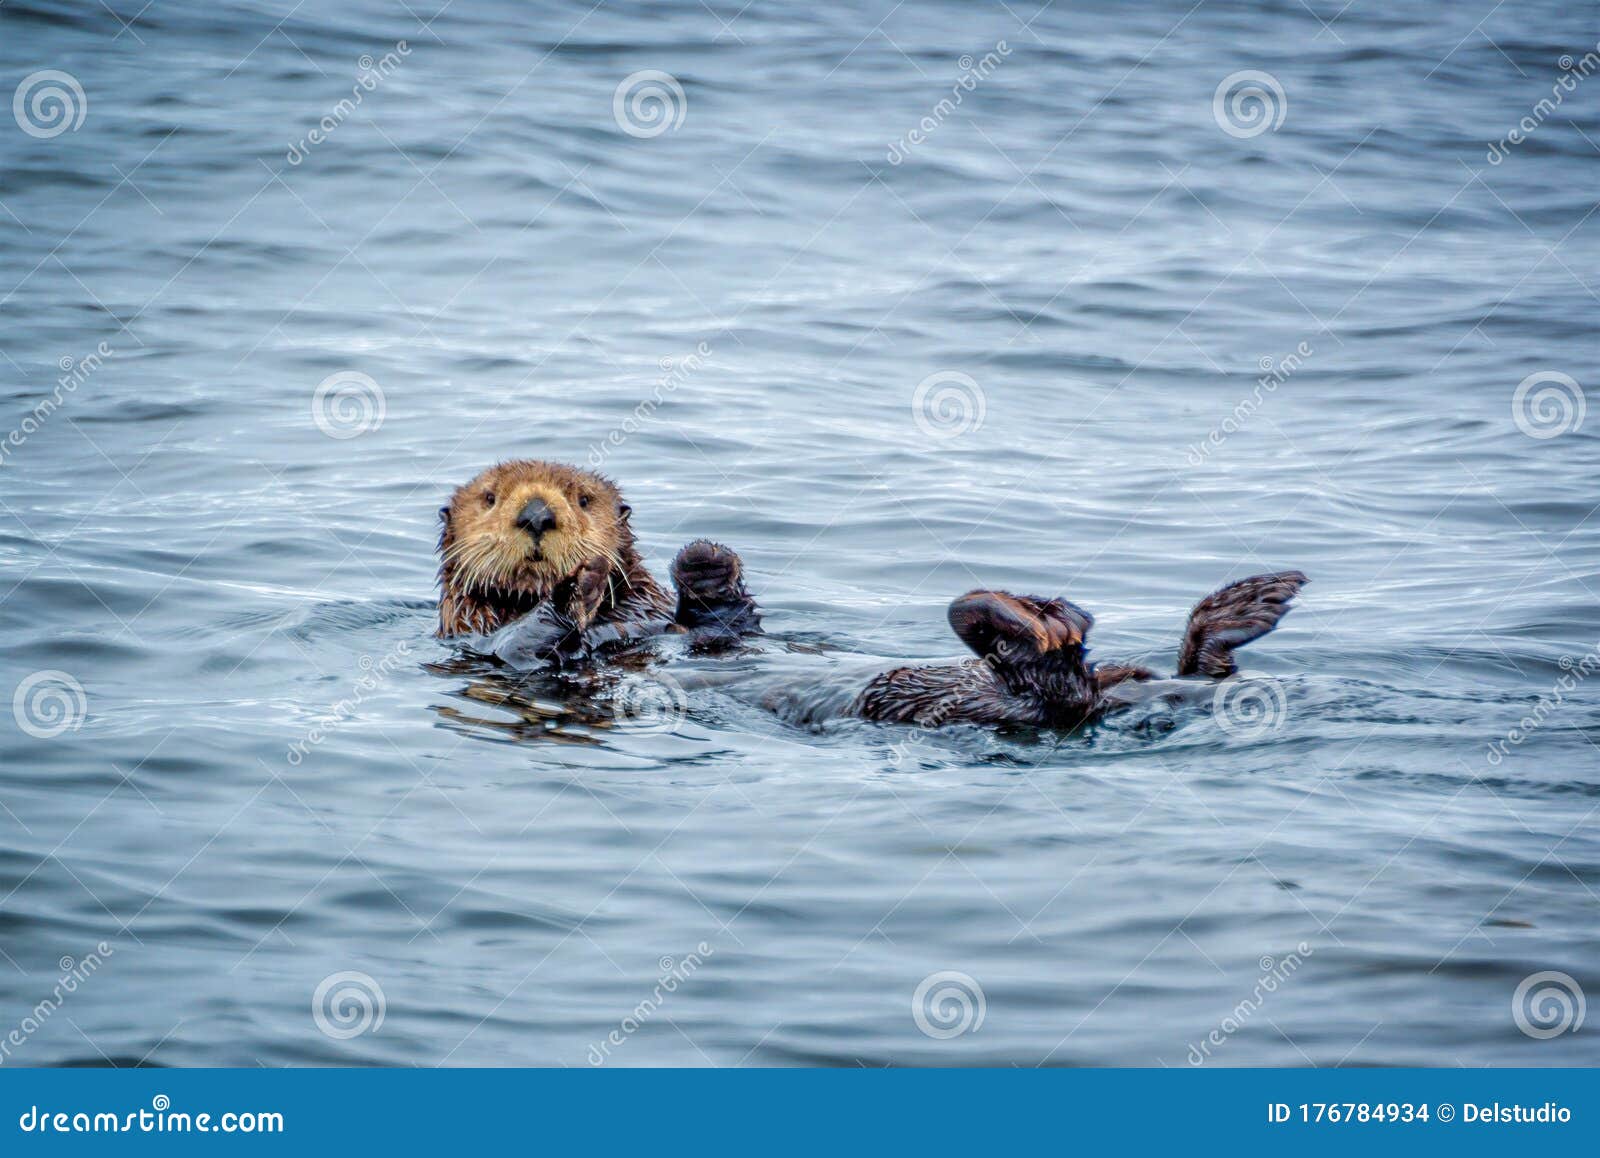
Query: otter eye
[(488, 498), (583, 500)]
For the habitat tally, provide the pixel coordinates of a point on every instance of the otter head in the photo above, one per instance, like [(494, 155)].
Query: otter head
[(514, 534)]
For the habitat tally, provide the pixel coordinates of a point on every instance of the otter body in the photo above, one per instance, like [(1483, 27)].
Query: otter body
[(1033, 668), (541, 556)]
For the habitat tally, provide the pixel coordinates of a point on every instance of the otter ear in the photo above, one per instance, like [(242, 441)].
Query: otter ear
[(1012, 627), (623, 511)]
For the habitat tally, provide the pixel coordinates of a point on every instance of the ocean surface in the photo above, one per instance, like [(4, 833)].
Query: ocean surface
[(898, 299)]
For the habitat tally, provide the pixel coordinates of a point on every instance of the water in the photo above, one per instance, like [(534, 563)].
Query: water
[(508, 862)]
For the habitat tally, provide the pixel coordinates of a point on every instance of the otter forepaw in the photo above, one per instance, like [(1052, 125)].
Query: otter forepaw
[(588, 592), (708, 572), (710, 582)]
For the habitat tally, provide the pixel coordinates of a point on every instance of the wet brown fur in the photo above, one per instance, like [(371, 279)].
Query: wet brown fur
[(1033, 667), (581, 566), (491, 571)]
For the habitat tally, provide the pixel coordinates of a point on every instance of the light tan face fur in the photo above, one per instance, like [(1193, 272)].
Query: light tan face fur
[(483, 547)]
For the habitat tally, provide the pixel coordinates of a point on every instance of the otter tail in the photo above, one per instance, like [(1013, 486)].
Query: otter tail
[(1231, 617)]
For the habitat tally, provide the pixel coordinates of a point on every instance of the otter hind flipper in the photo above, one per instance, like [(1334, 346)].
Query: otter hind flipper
[(711, 592), (1231, 617), (1001, 626)]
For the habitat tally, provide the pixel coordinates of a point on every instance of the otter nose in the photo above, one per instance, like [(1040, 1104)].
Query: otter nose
[(536, 518)]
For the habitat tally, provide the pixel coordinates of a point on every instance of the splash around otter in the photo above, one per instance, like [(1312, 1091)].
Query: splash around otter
[(550, 547)]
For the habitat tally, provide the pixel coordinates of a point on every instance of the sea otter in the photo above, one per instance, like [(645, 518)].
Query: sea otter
[(549, 548), (1033, 666)]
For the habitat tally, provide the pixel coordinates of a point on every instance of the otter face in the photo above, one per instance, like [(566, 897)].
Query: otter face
[(522, 527)]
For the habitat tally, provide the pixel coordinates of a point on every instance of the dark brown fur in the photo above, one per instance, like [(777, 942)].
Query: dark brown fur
[(529, 537), (1033, 666), (1231, 617)]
